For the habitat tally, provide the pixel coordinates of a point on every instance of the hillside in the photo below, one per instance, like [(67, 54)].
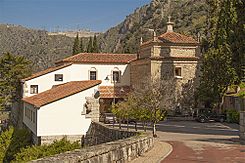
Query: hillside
[(43, 50), (189, 17)]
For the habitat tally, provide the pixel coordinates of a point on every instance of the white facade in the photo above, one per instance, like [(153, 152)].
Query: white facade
[(78, 72), (63, 117)]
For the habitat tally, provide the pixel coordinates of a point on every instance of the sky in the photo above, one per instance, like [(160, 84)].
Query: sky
[(96, 15)]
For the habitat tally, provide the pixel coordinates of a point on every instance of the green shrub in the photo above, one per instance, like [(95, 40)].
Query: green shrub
[(35, 152), (241, 94), (233, 116), (11, 141)]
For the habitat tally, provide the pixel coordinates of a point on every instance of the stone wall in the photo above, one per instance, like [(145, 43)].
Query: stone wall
[(140, 71), (98, 133), (242, 126), (232, 102), (123, 150), (92, 108)]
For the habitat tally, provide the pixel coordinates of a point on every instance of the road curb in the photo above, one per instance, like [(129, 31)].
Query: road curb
[(168, 153)]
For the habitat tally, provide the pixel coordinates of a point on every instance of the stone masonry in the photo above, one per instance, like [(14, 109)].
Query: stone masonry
[(98, 133), (161, 62), (92, 109), (129, 146), (242, 126)]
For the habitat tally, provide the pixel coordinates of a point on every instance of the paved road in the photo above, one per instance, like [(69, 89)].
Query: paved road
[(195, 142), (201, 142)]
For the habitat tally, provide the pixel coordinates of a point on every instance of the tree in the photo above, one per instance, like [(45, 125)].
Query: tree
[(153, 98), (238, 41), (76, 47), (90, 45), (81, 46), (12, 70), (95, 45), (218, 71)]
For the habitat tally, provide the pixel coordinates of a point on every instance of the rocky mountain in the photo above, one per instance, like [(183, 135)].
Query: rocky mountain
[(189, 17), (36, 45)]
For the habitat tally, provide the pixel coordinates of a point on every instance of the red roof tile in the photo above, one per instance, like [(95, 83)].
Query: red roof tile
[(100, 58), (113, 92), (51, 69), (173, 37), (60, 91)]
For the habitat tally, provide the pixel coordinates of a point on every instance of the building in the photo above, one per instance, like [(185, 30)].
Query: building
[(79, 87), (57, 98), (170, 57)]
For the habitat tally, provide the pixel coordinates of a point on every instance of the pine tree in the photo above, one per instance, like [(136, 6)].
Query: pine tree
[(90, 45), (12, 70), (95, 45), (76, 48), (81, 46)]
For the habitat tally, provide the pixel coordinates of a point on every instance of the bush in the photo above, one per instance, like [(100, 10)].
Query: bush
[(11, 141), (36, 152), (233, 116)]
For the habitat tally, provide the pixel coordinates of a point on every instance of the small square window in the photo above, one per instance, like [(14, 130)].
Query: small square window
[(92, 75), (177, 71), (34, 89), (116, 76), (58, 77)]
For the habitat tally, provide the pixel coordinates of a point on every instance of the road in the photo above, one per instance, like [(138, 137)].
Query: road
[(201, 142), (195, 142)]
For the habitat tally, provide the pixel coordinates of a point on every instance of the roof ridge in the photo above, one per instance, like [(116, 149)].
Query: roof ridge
[(46, 71)]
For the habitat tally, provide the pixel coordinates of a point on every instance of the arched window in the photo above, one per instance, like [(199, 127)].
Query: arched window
[(93, 73), (116, 75)]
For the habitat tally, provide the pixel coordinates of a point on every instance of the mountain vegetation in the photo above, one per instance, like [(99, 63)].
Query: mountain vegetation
[(189, 17), (36, 45)]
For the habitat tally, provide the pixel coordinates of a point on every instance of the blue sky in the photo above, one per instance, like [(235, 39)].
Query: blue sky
[(97, 15)]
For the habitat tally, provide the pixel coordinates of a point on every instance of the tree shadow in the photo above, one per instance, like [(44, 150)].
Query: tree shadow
[(232, 140)]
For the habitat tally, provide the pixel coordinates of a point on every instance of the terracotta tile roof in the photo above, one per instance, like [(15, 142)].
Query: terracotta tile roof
[(60, 91), (173, 37), (113, 92), (51, 69), (175, 58), (100, 58)]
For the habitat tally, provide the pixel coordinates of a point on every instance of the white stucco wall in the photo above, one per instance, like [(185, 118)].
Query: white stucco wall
[(78, 72), (45, 82), (64, 117)]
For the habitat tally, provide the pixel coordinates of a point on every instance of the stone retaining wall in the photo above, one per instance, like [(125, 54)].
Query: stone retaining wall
[(122, 150), (99, 133), (242, 126)]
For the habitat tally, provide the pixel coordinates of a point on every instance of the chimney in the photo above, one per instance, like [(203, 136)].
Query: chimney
[(170, 25)]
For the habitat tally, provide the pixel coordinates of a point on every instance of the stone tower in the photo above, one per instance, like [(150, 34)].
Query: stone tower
[(170, 56)]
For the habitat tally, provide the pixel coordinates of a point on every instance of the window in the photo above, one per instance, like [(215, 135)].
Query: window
[(58, 77), (34, 89), (116, 76), (177, 72), (92, 75)]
